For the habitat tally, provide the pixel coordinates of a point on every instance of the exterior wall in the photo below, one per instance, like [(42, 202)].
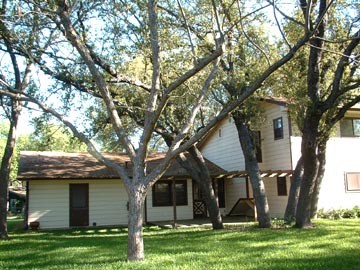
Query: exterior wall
[(234, 190), (342, 156), (225, 150), (107, 203), (49, 203), (277, 204), (161, 213), (276, 153)]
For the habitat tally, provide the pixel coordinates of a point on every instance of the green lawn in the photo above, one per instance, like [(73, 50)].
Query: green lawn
[(331, 245)]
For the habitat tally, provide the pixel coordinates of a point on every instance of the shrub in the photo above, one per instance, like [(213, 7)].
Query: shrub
[(339, 213)]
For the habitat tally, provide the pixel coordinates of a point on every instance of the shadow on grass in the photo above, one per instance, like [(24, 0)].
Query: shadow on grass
[(330, 245)]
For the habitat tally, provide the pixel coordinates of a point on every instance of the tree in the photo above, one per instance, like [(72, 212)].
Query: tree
[(19, 80), (52, 137), (324, 89), (68, 24)]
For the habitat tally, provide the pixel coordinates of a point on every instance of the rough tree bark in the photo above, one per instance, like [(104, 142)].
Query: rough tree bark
[(290, 211), (309, 146), (6, 167), (198, 171), (252, 168), (321, 155), (135, 243)]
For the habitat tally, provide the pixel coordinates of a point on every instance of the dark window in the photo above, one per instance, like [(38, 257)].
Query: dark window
[(221, 192), (281, 186), (278, 128), (350, 127), (352, 181), (163, 193), (257, 144)]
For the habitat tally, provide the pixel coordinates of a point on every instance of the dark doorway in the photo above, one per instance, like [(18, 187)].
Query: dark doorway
[(79, 205)]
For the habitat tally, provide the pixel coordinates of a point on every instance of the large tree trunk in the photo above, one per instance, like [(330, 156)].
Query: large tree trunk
[(198, 171), (135, 249), (293, 198), (252, 168), (309, 147), (320, 175), (6, 168)]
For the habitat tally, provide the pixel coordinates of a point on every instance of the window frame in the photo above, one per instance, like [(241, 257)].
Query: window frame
[(281, 184), (347, 189), (342, 128), (169, 201), (278, 131)]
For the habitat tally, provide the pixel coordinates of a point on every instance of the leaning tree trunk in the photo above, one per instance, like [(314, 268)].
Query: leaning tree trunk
[(198, 171), (320, 175), (135, 243), (311, 165), (293, 198), (252, 168), (6, 168)]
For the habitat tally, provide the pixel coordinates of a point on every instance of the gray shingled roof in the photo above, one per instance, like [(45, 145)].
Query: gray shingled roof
[(61, 165)]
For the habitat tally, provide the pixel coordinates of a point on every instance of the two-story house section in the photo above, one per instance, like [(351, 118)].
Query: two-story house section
[(279, 150)]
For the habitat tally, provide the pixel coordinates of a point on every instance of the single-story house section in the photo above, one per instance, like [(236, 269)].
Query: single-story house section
[(74, 189)]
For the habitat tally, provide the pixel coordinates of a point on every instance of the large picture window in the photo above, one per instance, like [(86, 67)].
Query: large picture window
[(352, 182), (350, 127), (278, 128), (162, 193)]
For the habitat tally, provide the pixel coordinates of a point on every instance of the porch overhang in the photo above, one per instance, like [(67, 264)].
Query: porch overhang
[(263, 173)]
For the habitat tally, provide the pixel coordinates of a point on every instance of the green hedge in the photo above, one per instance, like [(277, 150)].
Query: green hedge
[(339, 213)]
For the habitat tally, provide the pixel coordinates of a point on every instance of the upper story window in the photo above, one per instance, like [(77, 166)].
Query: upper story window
[(278, 128), (163, 193), (350, 127)]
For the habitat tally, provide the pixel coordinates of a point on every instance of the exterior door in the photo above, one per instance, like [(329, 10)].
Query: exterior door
[(79, 205)]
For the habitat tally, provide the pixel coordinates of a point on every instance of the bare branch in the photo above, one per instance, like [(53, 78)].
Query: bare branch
[(18, 95), (188, 32), (248, 38), (99, 80)]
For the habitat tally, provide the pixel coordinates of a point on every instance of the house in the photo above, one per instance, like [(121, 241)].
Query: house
[(74, 189), (279, 150), (53, 179)]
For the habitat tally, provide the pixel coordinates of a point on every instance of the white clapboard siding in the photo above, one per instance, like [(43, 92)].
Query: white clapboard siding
[(276, 153), (234, 190), (107, 203), (342, 156), (161, 213), (49, 202), (223, 147), (277, 204)]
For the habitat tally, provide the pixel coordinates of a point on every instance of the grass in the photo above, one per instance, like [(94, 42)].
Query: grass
[(330, 245)]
